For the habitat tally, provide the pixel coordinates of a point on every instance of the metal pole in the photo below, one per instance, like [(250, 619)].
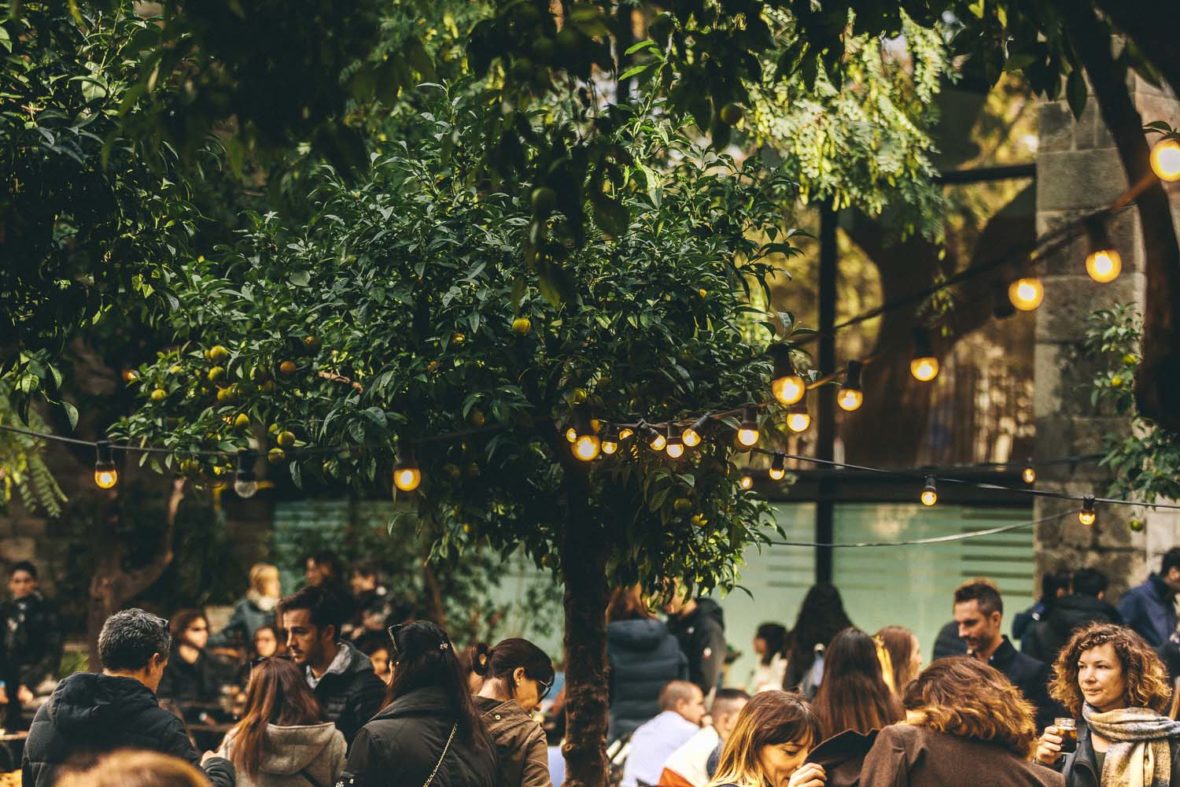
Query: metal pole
[(826, 431)]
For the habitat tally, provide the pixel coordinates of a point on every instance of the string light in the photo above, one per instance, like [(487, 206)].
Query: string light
[(675, 446), (746, 481), (587, 445), (929, 494), (656, 440), (1029, 474), (747, 434), (245, 481), (786, 384), (798, 419), (694, 434), (407, 476), (571, 434), (778, 467), (106, 475), (1087, 516), (923, 365), (1103, 263), (1165, 159), (610, 440), (851, 396), (1026, 293), (625, 432)]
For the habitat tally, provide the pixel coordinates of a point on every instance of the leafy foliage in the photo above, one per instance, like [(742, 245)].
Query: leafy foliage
[(23, 472)]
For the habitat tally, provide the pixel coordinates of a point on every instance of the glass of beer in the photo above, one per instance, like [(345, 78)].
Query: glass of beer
[(1068, 730)]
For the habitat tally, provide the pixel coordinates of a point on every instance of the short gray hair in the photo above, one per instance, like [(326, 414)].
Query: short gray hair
[(130, 638), (677, 691)]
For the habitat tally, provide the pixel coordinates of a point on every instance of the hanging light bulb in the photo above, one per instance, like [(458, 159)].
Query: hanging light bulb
[(106, 475), (1103, 263), (851, 396), (587, 447), (798, 419), (245, 482), (625, 432), (1087, 516), (610, 440), (785, 383), (675, 446), (1002, 307), (656, 440), (694, 434), (778, 467), (929, 492), (571, 434), (747, 434), (924, 364), (1165, 159), (1026, 293), (1029, 474), (406, 474), (746, 481)]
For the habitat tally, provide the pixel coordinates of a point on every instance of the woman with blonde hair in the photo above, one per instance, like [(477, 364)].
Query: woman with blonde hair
[(135, 768), (1117, 689), (769, 744), (905, 656), (965, 724), (255, 610)]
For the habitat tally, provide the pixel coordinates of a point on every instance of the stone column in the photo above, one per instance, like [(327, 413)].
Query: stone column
[(1079, 171)]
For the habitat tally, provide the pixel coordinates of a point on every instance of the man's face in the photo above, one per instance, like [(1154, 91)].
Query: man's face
[(725, 720), (361, 583), (978, 630), (1171, 579), (21, 584), (693, 708), (306, 642)]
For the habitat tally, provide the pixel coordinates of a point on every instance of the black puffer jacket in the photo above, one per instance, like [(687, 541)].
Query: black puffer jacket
[(701, 634), (350, 697), (32, 640), (1045, 638), (402, 745), (91, 714), (643, 657)]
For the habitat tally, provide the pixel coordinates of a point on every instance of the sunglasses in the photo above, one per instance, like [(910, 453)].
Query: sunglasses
[(545, 688)]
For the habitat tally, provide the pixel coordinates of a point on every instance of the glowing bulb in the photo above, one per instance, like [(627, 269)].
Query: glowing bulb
[(105, 473), (610, 441), (1104, 265), (747, 434), (1029, 475), (746, 482), (850, 399), (245, 489), (1165, 159), (587, 447), (924, 369), (691, 437), (798, 419), (778, 469), (675, 446), (788, 390), (1026, 294), (657, 442), (407, 478), (625, 432), (571, 434), (1087, 516), (106, 478), (929, 492)]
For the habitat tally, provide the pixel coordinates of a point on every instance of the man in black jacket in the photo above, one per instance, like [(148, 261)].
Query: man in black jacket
[(979, 611), (1085, 605), (342, 677), (699, 626), (91, 714), (32, 639)]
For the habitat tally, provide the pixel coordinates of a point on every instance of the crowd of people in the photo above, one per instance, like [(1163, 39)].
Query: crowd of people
[(336, 686)]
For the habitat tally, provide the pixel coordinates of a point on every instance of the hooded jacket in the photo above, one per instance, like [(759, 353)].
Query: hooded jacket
[(351, 696), (251, 613), (402, 744), (32, 640), (309, 755), (643, 657), (1045, 638), (94, 714), (520, 743), (701, 634), (1148, 609)]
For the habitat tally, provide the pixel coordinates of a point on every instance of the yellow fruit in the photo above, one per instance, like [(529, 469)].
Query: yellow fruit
[(273, 429), (288, 368), (276, 455), (285, 439), (432, 367), (311, 342), (703, 292), (521, 326), (217, 353), (682, 505), (216, 373), (476, 418), (458, 338), (242, 421), (175, 369), (579, 395), (1116, 381), (1130, 359), (699, 520), (189, 466), (159, 395)]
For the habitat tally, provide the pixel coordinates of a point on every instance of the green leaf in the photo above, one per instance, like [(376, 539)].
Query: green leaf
[(1075, 92), (71, 414)]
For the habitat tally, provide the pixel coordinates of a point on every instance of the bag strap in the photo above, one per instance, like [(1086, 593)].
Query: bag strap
[(443, 756)]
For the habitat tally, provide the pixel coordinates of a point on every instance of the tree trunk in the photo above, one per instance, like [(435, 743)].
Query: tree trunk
[(1152, 25), (1158, 377), (584, 551)]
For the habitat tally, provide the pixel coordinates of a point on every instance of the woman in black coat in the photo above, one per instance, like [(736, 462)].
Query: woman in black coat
[(430, 732), (644, 656)]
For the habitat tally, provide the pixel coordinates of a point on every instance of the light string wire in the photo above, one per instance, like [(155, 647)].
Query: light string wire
[(991, 531)]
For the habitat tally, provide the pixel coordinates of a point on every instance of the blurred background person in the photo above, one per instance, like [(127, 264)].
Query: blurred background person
[(821, 616), (643, 656), (517, 676), (699, 626), (1085, 604), (853, 695), (1054, 586), (905, 656), (769, 744), (266, 644), (135, 768), (325, 569), (682, 709), (1150, 608), (193, 678), (32, 640), (372, 602), (688, 766), (770, 642), (376, 647), (254, 610)]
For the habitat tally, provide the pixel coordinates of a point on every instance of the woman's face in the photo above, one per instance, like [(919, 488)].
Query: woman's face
[(197, 633), (527, 691), (1101, 679), (380, 659), (779, 760), (265, 644), (270, 585), (759, 646)]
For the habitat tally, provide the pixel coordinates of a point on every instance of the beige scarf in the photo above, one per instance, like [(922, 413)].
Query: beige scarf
[(1140, 754)]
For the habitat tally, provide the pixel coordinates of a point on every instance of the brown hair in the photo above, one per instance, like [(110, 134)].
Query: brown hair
[(898, 642), (768, 719), (183, 619), (132, 768), (961, 696), (853, 694), (1143, 672), (982, 592), (277, 694), (626, 603)]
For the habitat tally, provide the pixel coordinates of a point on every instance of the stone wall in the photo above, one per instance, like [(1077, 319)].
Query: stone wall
[(1078, 171)]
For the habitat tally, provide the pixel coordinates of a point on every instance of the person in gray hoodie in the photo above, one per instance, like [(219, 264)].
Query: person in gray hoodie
[(643, 656), (282, 739)]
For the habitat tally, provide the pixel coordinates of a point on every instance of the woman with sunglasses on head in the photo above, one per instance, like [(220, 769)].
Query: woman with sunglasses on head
[(283, 739), (430, 732), (517, 676)]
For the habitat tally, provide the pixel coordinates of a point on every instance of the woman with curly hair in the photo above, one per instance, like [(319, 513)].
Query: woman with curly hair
[(769, 744), (965, 724), (1116, 686)]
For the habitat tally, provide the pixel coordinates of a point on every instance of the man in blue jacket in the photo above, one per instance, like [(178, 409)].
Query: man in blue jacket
[(1148, 608)]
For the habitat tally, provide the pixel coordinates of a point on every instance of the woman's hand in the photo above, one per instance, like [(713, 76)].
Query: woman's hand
[(1049, 747), (810, 775)]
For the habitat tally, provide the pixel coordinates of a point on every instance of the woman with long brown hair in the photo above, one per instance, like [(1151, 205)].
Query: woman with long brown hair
[(1117, 690), (853, 695), (769, 744), (905, 656), (965, 724), (282, 739)]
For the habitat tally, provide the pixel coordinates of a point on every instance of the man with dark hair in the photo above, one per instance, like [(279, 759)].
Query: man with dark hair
[(32, 639), (979, 611), (90, 714), (699, 626), (373, 605), (1084, 606), (947, 643), (1054, 586), (1148, 608), (341, 676)]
